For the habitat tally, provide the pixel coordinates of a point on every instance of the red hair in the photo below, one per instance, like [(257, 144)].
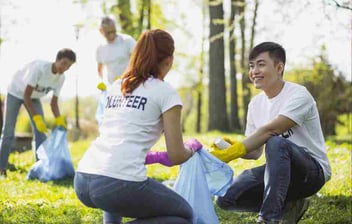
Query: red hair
[(152, 47)]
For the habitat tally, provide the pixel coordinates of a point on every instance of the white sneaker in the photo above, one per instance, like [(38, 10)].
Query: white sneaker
[(294, 211)]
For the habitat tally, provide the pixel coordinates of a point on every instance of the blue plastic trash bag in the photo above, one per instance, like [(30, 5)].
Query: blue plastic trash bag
[(101, 106), (201, 177), (54, 158), (219, 174)]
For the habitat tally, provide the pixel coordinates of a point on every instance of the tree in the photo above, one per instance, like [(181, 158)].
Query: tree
[(234, 115), (246, 90), (199, 86), (144, 15), (334, 98), (1, 115), (217, 90)]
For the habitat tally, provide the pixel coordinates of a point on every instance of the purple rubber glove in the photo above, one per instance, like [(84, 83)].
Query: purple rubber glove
[(158, 157), (193, 144)]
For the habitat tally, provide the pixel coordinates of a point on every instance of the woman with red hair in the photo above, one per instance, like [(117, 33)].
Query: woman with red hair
[(140, 108)]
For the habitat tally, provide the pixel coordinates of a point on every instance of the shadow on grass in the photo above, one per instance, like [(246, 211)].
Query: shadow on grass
[(322, 210), (13, 168), (67, 182)]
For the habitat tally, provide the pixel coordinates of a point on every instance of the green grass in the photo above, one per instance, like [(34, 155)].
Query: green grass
[(23, 201)]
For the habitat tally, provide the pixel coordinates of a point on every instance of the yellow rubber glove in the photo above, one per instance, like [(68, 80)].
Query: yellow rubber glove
[(101, 86), (235, 151), (60, 121), (39, 123)]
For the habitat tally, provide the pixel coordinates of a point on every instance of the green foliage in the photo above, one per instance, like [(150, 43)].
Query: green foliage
[(331, 91), (134, 20), (23, 201)]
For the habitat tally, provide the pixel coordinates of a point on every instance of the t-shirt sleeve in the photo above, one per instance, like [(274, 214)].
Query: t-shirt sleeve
[(170, 98), (298, 106)]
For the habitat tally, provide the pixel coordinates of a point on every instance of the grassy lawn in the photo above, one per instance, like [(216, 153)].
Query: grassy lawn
[(23, 201)]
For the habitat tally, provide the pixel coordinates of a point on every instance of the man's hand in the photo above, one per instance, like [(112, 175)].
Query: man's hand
[(39, 123), (101, 86), (60, 121), (234, 151)]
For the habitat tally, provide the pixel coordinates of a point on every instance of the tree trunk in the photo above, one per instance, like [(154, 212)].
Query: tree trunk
[(234, 119), (77, 107), (149, 13), (187, 108), (254, 23), (145, 13), (1, 115), (246, 91), (125, 16), (199, 111), (217, 90), (200, 86)]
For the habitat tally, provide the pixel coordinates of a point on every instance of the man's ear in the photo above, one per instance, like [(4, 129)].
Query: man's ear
[(280, 67)]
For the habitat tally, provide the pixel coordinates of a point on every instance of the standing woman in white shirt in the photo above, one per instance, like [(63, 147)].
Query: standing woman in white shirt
[(140, 108)]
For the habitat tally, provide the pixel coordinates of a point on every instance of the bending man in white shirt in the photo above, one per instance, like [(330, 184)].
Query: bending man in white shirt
[(28, 85)]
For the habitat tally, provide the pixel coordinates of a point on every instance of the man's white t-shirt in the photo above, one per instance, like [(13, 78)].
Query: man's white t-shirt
[(130, 127), (116, 55), (39, 75), (295, 102)]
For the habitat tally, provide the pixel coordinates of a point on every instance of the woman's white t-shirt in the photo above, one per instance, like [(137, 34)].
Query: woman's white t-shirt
[(39, 75), (295, 102), (130, 127)]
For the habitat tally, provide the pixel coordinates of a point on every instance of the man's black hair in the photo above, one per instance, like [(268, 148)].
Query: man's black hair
[(276, 51), (66, 53)]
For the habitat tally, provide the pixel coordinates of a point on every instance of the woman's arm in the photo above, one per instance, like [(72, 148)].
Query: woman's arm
[(176, 150)]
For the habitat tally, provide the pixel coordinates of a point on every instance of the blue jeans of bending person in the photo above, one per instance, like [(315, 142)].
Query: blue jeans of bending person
[(149, 201), (12, 107), (289, 174)]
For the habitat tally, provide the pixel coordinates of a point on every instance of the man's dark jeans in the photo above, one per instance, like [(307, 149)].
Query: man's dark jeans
[(289, 174)]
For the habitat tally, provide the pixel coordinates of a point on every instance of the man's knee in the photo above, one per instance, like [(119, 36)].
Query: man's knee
[(223, 203), (275, 144), (275, 141)]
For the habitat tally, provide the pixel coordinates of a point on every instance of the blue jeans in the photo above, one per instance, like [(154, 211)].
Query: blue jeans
[(12, 107), (148, 201), (289, 174)]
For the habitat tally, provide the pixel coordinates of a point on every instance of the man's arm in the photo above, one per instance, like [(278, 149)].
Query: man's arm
[(100, 68), (55, 106), (254, 154), (37, 119), (27, 100), (275, 127)]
